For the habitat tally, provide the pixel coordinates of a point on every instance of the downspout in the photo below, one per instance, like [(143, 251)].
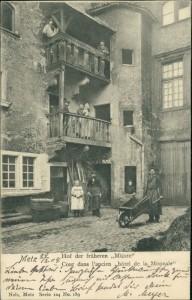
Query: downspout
[(132, 137)]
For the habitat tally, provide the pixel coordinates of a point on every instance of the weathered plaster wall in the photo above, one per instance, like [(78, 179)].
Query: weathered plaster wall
[(171, 41), (124, 93), (146, 69), (24, 124)]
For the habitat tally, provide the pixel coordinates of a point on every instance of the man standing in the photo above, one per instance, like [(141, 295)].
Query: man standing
[(66, 116), (154, 192), (94, 191), (102, 48)]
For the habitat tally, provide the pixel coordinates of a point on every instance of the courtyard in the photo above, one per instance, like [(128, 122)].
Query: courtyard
[(85, 234)]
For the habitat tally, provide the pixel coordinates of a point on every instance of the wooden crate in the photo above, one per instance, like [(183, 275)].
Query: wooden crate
[(45, 214)]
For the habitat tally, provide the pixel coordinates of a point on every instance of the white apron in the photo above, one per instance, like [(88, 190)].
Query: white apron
[(77, 202)]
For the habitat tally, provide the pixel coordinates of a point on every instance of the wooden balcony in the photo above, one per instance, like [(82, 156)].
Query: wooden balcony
[(72, 128), (63, 48)]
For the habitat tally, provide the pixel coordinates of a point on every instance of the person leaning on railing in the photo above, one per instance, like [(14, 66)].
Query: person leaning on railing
[(102, 48), (66, 117), (86, 113), (50, 29), (79, 120)]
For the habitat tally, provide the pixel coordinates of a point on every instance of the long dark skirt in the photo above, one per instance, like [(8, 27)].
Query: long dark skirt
[(94, 202), (155, 208)]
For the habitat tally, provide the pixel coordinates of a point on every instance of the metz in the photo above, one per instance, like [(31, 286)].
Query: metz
[(25, 294)]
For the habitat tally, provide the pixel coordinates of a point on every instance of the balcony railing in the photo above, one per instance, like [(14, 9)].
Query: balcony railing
[(79, 127), (76, 54)]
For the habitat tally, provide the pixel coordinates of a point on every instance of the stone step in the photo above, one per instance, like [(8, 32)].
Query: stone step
[(8, 211), (16, 220), (10, 215)]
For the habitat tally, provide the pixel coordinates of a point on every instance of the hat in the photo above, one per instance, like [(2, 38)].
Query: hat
[(66, 100), (153, 167)]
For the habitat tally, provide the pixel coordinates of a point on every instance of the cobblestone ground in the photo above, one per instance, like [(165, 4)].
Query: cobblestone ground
[(84, 234)]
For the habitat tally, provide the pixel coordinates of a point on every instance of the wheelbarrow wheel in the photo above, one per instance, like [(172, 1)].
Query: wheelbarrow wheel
[(124, 219)]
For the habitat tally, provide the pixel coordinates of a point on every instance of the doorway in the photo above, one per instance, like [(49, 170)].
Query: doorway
[(59, 183), (53, 103), (103, 112), (104, 175), (130, 175)]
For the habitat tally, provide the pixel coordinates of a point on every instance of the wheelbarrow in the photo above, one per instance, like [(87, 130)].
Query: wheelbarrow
[(132, 209)]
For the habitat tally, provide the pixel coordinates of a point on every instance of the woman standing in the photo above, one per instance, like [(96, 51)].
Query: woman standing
[(86, 113), (77, 199)]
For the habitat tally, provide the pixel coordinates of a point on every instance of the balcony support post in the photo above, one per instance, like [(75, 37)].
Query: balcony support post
[(61, 98)]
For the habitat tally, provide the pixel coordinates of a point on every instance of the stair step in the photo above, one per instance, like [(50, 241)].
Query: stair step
[(16, 220), (8, 211), (10, 215)]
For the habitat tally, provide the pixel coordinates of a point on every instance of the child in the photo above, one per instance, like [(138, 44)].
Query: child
[(77, 201), (130, 188)]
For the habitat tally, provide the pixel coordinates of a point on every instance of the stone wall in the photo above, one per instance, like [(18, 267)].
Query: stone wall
[(146, 77), (23, 56)]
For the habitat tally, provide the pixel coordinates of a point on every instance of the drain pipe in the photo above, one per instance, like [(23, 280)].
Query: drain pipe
[(132, 137)]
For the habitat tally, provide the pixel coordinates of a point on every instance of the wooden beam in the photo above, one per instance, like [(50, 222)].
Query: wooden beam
[(57, 22), (61, 96)]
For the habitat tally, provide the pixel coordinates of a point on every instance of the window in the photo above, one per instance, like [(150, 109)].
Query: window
[(173, 84), (173, 11), (24, 172), (127, 117), (168, 13), (28, 171), (130, 176), (7, 16), (127, 57), (8, 166), (184, 9)]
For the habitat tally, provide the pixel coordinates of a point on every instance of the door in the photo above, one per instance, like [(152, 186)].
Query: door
[(53, 103), (103, 112), (175, 166), (59, 183), (104, 175)]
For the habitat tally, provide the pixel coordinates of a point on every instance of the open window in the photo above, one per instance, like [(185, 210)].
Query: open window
[(7, 16)]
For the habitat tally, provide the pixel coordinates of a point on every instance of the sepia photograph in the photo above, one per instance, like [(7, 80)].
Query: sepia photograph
[(95, 127), (95, 114)]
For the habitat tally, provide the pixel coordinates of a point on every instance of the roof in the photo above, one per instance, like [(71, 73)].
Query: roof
[(81, 11), (100, 7)]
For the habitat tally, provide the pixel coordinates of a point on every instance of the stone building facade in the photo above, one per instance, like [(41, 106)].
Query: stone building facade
[(44, 149)]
